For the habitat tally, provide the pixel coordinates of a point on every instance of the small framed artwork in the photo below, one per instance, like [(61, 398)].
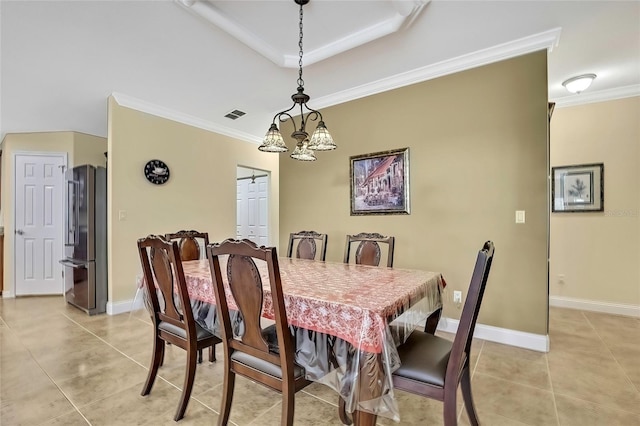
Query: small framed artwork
[(578, 188), (380, 183)]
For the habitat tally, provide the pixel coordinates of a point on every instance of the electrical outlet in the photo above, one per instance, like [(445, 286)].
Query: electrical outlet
[(457, 297), (561, 279)]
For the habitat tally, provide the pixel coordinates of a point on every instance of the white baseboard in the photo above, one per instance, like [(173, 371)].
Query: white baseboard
[(595, 306), (521, 339), (115, 308)]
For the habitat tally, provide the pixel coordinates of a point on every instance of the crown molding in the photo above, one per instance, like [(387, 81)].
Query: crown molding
[(405, 14), (215, 16), (544, 40), (401, 20), (171, 114), (599, 96)]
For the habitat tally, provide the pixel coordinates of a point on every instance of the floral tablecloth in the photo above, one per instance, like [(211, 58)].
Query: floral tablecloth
[(352, 302)]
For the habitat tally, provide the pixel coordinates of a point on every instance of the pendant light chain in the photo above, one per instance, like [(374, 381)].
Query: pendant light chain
[(300, 80)]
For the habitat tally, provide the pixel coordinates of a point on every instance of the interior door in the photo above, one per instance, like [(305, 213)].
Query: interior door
[(253, 209), (242, 217), (39, 195), (259, 211)]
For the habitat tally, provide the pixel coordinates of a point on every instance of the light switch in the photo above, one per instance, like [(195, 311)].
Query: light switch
[(519, 216), (122, 215)]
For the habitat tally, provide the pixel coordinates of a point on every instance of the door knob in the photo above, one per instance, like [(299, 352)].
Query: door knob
[(19, 232)]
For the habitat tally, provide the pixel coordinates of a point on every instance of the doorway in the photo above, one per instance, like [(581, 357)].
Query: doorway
[(38, 213), (252, 208)]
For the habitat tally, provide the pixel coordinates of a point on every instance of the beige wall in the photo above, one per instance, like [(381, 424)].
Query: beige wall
[(478, 153), (200, 194), (599, 252), (89, 149), (76, 146)]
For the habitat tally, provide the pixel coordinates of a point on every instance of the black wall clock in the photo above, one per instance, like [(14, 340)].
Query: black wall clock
[(156, 172)]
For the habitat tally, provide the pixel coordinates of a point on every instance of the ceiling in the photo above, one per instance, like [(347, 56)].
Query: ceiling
[(195, 61)]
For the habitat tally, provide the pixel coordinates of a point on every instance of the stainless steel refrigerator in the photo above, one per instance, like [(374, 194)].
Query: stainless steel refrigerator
[(85, 265)]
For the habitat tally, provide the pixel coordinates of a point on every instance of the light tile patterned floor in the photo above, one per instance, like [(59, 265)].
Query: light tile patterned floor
[(59, 366)]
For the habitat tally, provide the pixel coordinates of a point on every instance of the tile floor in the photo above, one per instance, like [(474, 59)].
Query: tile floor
[(59, 366)]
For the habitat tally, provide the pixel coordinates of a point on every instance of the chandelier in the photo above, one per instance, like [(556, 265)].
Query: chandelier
[(320, 140)]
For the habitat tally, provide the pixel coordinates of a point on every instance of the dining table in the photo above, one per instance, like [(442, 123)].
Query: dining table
[(346, 321)]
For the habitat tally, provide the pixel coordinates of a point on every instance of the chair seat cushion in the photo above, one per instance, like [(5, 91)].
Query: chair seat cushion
[(424, 358), (265, 366), (201, 333)]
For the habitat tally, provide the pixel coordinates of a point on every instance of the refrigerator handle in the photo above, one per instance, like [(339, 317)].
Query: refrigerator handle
[(73, 213)]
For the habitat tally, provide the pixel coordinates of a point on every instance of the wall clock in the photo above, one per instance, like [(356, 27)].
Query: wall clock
[(156, 172)]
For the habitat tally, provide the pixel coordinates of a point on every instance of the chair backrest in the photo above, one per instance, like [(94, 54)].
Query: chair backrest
[(188, 243), (246, 290), (462, 341), (368, 251), (307, 245), (165, 282)]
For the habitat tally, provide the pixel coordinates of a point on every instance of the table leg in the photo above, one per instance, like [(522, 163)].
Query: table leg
[(362, 418), (371, 378)]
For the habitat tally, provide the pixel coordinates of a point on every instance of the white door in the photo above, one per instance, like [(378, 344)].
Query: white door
[(39, 193), (241, 209), (252, 210)]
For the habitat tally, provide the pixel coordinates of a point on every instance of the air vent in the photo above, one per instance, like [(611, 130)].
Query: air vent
[(235, 114)]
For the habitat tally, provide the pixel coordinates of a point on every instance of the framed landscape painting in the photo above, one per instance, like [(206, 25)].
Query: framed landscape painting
[(380, 183), (578, 188)]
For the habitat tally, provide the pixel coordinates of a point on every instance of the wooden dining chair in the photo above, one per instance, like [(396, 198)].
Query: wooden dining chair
[(249, 354), (188, 243), (307, 244), (433, 367), (368, 251), (189, 247), (172, 317)]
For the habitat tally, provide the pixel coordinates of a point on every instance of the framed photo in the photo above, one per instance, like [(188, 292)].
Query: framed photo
[(577, 188), (380, 183)]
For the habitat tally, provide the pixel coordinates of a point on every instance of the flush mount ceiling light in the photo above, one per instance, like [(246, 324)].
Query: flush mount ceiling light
[(579, 83), (321, 140)]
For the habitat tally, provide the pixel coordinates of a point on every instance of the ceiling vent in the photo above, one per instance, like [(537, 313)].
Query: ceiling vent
[(235, 114)]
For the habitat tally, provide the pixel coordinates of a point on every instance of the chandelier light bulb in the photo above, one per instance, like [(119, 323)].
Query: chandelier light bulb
[(303, 153), (273, 141), (321, 140)]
